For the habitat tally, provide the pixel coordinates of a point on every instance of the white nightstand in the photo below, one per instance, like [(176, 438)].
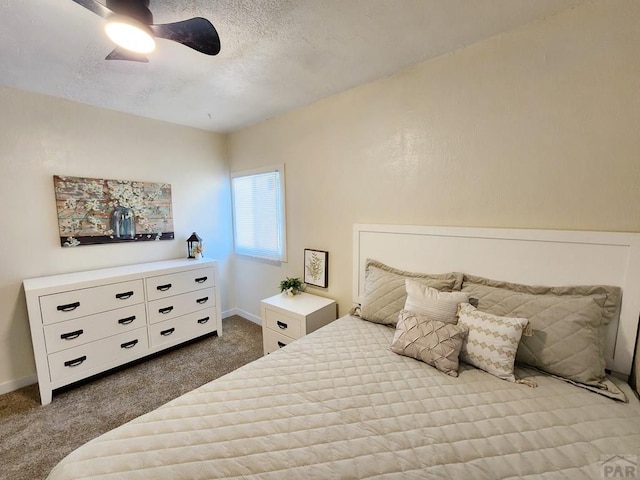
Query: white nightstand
[(285, 319)]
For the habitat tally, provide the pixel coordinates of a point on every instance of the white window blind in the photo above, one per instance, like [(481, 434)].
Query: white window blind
[(259, 214)]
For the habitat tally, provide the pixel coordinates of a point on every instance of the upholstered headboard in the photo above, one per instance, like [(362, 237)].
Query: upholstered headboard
[(535, 257)]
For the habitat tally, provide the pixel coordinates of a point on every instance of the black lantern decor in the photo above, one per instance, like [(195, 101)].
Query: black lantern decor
[(193, 241)]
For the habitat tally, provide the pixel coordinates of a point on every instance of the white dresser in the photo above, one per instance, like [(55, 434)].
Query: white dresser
[(87, 322), (285, 319)]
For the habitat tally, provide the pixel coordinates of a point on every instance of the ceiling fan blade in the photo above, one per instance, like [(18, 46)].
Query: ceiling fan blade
[(123, 54), (96, 7), (197, 33)]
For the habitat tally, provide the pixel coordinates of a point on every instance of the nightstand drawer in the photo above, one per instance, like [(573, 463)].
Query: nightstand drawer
[(63, 335), (178, 305), (191, 326), (273, 340), (284, 324), (77, 360), (79, 303)]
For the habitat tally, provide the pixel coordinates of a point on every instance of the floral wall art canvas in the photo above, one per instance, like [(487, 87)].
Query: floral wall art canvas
[(95, 210)]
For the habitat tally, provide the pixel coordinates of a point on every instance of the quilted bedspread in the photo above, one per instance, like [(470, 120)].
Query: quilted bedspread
[(339, 404)]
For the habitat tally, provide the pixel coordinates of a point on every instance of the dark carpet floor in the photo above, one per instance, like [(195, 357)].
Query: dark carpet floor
[(33, 439)]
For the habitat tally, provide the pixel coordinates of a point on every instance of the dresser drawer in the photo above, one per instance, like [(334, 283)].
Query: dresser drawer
[(171, 284), (178, 305), (273, 340), (285, 324), (187, 326), (62, 335), (59, 307), (83, 358)]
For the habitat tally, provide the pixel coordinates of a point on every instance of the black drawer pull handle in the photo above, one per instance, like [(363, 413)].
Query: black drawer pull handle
[(201, 280), (282, 325), (166, 310), (204, 320), (202, 300), (164, 288), (280, 344), (127, 321), (68, 307), (124, 295), (71, 335), (166, 333), (75, 362), (130, 344)]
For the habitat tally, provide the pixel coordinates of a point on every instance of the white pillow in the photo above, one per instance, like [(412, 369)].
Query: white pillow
[(437, 305), (492, 341)]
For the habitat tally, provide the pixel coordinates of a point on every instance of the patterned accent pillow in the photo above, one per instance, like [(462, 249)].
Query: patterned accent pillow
[(385, 293), (437, 305), (435, 343), (492, 341)]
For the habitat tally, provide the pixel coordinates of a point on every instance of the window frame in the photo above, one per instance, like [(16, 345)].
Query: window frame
[(282, 227)]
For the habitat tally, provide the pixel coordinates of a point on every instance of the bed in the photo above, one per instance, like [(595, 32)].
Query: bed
[(339, 403)]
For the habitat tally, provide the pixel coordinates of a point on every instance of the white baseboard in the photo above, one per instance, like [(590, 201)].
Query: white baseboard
[(19, 383), (243, 314)]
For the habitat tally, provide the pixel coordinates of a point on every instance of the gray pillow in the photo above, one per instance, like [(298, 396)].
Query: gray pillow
[(385, 293), (435, 343), (612, 295), (567, 323)]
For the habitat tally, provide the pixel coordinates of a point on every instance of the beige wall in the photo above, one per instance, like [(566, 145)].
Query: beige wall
[(41, 136), (537, 128)]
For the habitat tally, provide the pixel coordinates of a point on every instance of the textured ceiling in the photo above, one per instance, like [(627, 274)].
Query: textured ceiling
[(276, 55)]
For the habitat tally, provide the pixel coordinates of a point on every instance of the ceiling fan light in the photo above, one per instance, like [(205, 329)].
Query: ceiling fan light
[(130, 34)]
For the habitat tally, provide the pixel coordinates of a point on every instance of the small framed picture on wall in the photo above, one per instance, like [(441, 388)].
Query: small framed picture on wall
[(316, 268)]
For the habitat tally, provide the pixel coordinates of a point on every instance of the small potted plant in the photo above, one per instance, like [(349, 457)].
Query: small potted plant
[(291, 286)]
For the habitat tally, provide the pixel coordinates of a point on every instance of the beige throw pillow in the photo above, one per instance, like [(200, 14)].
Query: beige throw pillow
[(607, 296), (437, 305), (435, 343), (567, 324), (385, 293), (492, 341)]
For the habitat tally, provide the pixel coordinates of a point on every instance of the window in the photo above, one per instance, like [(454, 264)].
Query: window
[(259, 214)]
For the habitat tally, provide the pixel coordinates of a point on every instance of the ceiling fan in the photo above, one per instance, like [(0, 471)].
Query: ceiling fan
[(130, 27)]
